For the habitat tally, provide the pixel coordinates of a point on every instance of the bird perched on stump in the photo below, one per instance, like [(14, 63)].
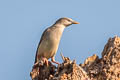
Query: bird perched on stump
[(50, 39)]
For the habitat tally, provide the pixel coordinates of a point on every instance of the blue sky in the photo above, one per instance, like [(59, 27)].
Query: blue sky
[(23, 21)]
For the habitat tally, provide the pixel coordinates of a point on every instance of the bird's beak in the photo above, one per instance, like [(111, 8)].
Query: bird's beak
[(75, 22)]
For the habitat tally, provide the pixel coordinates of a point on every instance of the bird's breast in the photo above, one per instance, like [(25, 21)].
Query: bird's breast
[(54, 38), (49, 46)]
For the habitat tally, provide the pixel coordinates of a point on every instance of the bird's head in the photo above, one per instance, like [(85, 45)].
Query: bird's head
[(66, 21)]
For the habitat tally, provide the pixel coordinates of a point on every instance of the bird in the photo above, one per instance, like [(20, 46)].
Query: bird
[(50, 40)]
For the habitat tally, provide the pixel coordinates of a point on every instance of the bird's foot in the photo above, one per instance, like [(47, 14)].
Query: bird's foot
[(53, 60), (41, 62), (36, 64), (45, 60)]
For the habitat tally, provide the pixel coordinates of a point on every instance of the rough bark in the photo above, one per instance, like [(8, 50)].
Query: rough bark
[(107, 67), (94, 68)]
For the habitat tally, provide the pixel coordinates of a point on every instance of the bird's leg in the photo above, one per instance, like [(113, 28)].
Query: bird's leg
[(36, 64), (45, 60), (53, 60)]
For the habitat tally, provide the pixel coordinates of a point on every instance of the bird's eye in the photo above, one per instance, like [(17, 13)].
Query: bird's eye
[(69, 20)]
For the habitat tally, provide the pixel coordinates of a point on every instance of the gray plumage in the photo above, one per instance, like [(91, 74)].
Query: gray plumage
[(50, 39)]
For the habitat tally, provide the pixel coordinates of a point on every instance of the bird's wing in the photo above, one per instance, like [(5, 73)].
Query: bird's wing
[(42, 38)]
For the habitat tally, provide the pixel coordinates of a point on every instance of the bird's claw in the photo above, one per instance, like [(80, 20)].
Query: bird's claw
[(53, 60), (45, 61), (41, 62)]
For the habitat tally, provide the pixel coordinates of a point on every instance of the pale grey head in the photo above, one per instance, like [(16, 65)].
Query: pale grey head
[(66, 21)]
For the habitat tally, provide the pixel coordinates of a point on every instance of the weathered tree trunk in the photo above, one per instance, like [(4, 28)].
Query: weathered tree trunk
[(94, 68)]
